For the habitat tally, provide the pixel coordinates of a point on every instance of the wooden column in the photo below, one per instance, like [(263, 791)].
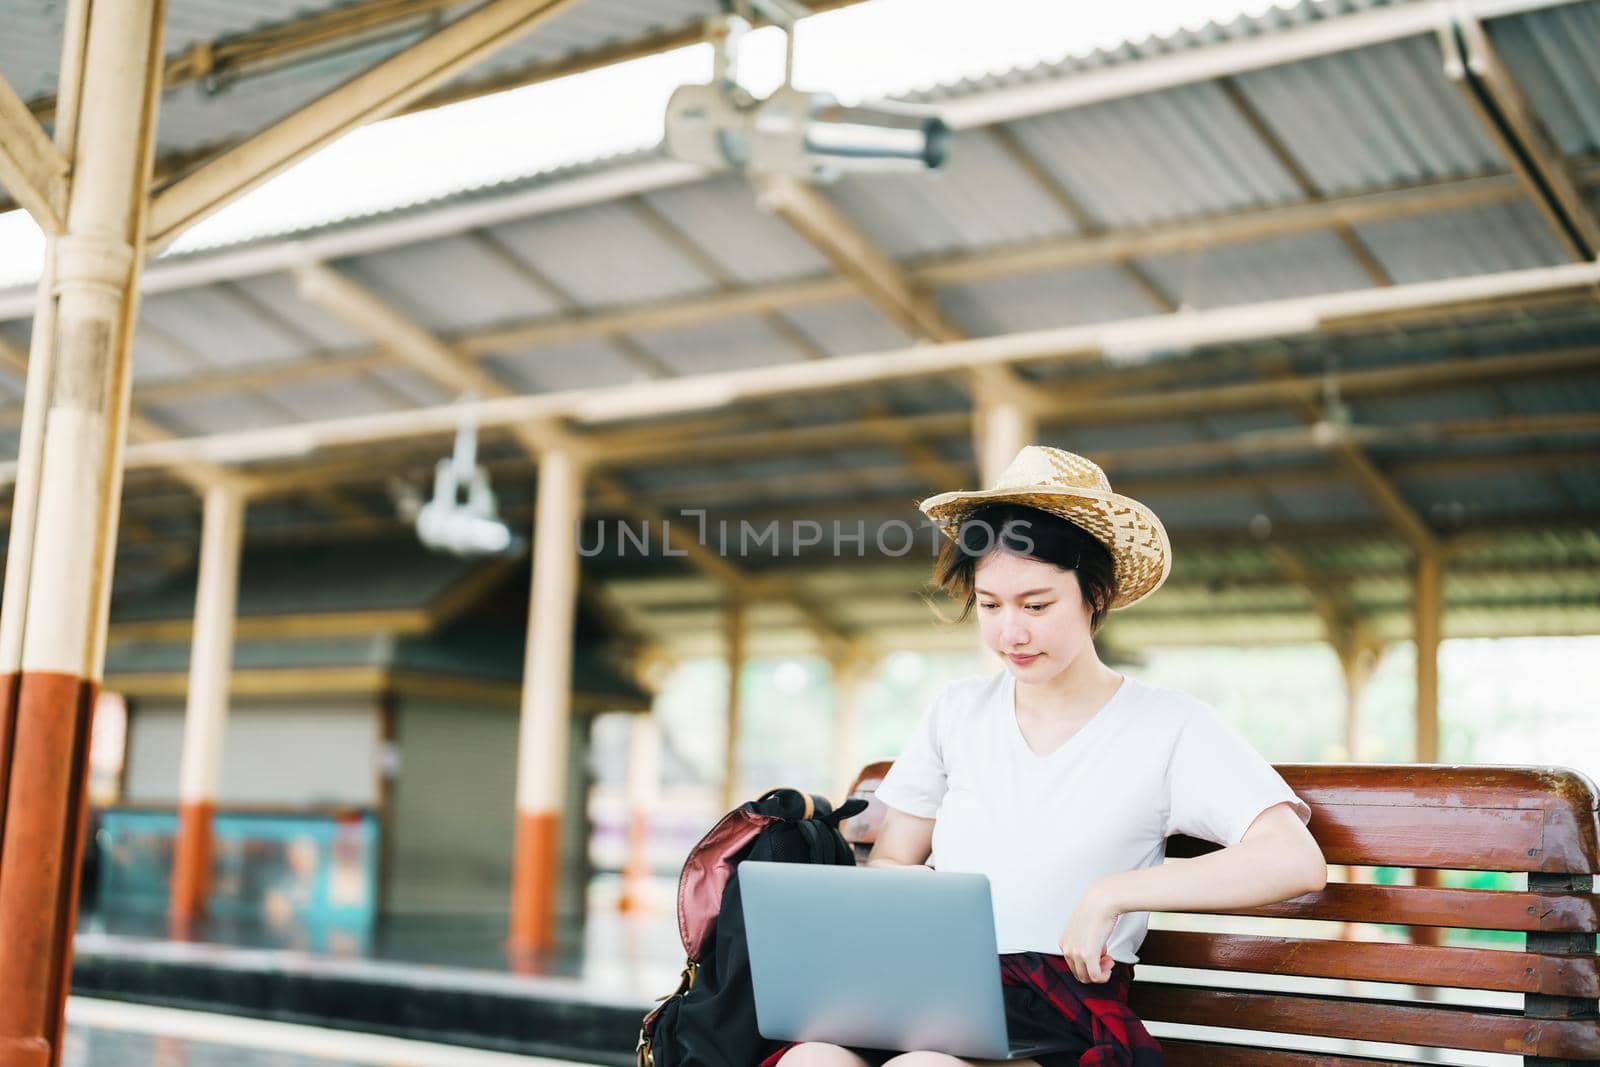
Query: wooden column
[(205, 720), (643, 795), (1427, 605), (1426, 624), (63, 534), (735, 654), (1358, 661), (850, 678), (546, 705), (1002, 425)]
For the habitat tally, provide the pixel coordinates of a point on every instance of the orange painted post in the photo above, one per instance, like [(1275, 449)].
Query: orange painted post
[(206, 715), (546, 708), (63, 535), (643, 791)]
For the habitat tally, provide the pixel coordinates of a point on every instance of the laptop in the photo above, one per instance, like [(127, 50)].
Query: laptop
[(876, 958)]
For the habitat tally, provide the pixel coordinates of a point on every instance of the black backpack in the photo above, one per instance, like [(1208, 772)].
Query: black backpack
[(710, 1019)]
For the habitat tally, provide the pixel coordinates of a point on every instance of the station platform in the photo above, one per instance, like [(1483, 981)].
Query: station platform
[(111, 1034), (445, 980)]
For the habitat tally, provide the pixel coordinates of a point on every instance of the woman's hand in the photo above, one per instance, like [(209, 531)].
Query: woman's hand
[(1088, 932)]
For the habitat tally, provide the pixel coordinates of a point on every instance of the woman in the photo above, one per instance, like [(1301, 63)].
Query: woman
[(1061, 779)]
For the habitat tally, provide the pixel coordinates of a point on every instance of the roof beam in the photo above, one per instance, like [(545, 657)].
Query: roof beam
[(372, 470), (1470, 60), (1049, 254), (413, 345), (436, 360), (873, 273), (32, 168), (877, 277), (1065, 401), (371, 95), (710, 392)]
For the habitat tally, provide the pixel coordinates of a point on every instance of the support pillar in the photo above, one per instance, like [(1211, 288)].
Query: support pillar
[(546, 705), (643, 796), (1358, 662), (1426, 625), (205, 719), (63, 535), (849, 690), (735, 654), (1002, 425), (1427, 606)]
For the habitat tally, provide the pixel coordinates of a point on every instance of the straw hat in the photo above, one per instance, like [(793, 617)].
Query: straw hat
[(1066, 484)]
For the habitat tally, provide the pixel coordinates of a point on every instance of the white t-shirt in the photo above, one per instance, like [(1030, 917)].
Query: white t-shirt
[(1150, 763)]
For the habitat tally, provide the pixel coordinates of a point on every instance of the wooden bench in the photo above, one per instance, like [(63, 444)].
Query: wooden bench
[(1541, 822)]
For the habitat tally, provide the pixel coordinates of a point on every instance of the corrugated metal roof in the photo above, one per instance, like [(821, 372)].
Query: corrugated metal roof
[(727, 344), (1275, 269), (980, 198), (1475, 240), (220, 413), (1157, 157), (721, 217), (317, 400), (1225, 508), (207, 328), (847, 327), (575, 365), (1551, 53), (1332, 502), (1468, 498), (1099, 293), (410, 383), (318, 330), (452, 285), (1382, 116), (590, 25), (197, 115), (229, 107), (1378, 117), (604, 255)]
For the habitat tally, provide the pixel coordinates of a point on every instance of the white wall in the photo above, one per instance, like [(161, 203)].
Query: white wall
[(452, 815), (323, 753)]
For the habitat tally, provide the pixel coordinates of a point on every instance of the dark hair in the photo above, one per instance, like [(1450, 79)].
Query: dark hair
[(1033, 534)]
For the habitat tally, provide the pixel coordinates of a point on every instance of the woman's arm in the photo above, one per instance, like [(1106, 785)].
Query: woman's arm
[(1276, 859), (903, 841)]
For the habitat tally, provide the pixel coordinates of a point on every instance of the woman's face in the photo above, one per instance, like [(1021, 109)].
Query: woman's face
[(1027, 607)]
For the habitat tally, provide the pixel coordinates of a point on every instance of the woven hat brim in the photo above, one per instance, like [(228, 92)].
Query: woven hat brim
[(1138, 543)]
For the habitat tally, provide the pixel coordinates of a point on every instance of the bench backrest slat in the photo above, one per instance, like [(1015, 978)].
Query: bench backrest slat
[(1468, 909), (1367, 961), (1473, 1029), (1516, 819)]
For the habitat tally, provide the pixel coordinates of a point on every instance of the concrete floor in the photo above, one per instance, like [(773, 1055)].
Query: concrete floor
[(108, 1034)]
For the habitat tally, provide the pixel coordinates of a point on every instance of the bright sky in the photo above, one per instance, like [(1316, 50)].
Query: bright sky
[(872, 49)]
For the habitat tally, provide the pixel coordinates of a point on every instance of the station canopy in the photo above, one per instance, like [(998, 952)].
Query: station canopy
[(1314, 285)]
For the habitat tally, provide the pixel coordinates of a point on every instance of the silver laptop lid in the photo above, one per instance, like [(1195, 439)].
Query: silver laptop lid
[(875, 957)]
